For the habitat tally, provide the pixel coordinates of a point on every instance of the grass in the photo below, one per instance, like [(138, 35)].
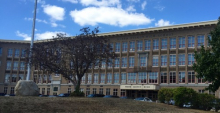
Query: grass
[(85, 105)]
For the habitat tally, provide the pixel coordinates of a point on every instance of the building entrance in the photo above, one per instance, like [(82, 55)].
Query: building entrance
[(142, 93)]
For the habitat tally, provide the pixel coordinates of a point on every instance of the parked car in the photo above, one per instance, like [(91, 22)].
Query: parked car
[(143, 99), (124, 97), (2, 94), (52, 96), (187, 105), (64, 95), (172, 102), (95, 95), (110, 96), (43, 95)]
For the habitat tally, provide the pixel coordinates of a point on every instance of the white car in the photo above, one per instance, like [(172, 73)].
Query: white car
[(143, 99)]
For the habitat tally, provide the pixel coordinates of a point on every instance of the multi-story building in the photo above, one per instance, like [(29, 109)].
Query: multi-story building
[(148, 60)]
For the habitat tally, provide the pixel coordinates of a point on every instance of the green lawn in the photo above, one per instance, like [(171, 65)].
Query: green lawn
[(85, 105)]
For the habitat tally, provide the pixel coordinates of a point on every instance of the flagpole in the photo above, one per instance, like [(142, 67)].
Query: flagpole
[(32, 42)]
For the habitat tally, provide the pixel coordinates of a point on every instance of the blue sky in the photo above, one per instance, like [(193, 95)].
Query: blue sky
[(68, 16)]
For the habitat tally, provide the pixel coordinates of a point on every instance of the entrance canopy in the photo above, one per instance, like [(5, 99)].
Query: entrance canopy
[(140, 87)]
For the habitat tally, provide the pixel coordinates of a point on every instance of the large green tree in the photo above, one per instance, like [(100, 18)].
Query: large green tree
[(72, 57), (207, 63)]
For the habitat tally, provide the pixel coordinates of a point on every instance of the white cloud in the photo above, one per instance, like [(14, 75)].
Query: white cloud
[(101, 3), (143, 5), (131, 8), (159, 7), (55, 12), (25, 36), (72, 1), (108, 15), (133, 0), (40, 36), (162, 22)]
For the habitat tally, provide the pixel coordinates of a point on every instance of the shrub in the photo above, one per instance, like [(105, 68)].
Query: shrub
[(77, 94), (183, 95), (165, 94), (204, 101)]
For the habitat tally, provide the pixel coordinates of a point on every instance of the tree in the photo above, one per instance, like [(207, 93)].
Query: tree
[(207, 63), (72, 57)]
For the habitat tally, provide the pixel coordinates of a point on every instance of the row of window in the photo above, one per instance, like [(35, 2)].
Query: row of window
[(142, 77), (13, 78), (16, 65), (107, 91), (164, 44), (16, 53)]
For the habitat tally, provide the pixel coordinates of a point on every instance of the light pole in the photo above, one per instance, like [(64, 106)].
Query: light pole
[(32, 42)]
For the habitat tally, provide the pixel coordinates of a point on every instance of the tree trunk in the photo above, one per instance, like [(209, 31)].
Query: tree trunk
[(77, 86)]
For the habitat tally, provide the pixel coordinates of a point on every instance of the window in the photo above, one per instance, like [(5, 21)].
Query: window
[(142, 60), (155, 44), (96, 77), (155, 60), (100, 90), (71, 77), (191, 77), (181, 59), (45, 79), (201, 91), (116, 77), (23, 53), (181, 42), (21, 77), (142, 77), (22, 66), (115, 92), (123, 77), (117, 47), (211, 93), (163, 77), (12, 90), (10, 52), (69, 90), (55, 88), (94, 91), (147, 44), (7, 78), (209, 39), (201, 40), (103, 64), (132, 45), (164, 44), (57, 74), (139, 45), (122, 92), (110, 63), (191, 41), (15, 66), (81, 89), (182, 77), (102, 78), (39, 78), (117, 62), (131, 61), (17, 51), (5, 90), (172, 60), (124, 47), (0, 51), (172, 43), (108, 91), (191, 59), (131, 77), (87, 91), (172, 77), (153, 77), (8, 65), (109, 75), (43, 91), (123, 62), (89, 78), (48, 91), (163, 60), (201, 80), (49, 79), (13, 78)]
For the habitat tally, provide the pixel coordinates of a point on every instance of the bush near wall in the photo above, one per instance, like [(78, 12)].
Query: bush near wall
[(204, 101), (165, 94), (77, 94)]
